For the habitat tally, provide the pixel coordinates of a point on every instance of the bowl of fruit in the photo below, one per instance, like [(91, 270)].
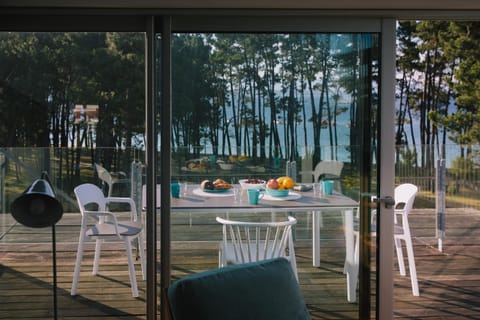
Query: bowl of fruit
[(252, 183), (279, 187)]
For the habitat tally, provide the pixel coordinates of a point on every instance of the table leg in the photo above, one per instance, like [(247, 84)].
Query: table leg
[(316, 219), (351, 267)]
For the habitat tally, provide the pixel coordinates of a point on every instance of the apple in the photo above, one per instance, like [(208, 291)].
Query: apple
[(272, 184)]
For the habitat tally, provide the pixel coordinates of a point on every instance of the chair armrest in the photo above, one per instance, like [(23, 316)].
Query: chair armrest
[(120, 177), (127, 200), (121, 174), (120, 200), (98, 214), (120, 180), (306, 172), (329, 176)]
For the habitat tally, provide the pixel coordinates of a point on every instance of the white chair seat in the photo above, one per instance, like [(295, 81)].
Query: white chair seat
[(125, 229)]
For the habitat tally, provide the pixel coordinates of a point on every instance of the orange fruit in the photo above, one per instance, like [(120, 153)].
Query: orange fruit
[(285, 183)]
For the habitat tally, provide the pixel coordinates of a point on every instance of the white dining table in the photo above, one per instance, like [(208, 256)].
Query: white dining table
[(196, 200)]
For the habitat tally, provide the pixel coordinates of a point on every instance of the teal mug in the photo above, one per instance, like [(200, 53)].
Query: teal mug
[(327, 186), (175, 189), (254, 195)]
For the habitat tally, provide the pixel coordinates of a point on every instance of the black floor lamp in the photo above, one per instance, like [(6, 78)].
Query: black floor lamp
[(38, 208)]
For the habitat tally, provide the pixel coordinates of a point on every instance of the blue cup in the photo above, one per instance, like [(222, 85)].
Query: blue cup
[(175, 189), (276, 162), (327, 186), (254, 195)]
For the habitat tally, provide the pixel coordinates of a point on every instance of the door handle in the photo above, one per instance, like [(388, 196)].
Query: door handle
[(388, 201)]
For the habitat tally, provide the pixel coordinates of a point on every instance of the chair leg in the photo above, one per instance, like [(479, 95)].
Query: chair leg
[(352, 277), (292, 257), (221, 259), (78, 265), (356, 254), (354, 236), (398, 249), (96, 259), (141, 248), (412, 267), (320, 219), (352, 282), (350, 267), (131, 268), (316, 225)]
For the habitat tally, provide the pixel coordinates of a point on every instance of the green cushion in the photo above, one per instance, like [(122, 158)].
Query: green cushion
[(260, 290)]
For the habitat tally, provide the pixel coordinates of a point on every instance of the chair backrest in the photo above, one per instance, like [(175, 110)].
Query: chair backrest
[(255, 241), (260, 290), (104, 175), (405, 196), (404, 199), (327, 167), (88, 194)]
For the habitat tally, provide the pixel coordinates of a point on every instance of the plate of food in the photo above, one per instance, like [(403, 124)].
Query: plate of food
[(197, 165), (216, 188)]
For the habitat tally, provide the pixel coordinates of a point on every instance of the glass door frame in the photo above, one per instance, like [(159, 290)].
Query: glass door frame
[(291, 23), (386, 171)]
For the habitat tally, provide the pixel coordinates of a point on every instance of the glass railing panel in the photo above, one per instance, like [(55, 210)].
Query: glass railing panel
[(30, 249)]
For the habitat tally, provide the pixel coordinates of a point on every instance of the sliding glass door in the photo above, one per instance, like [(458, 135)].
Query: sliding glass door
[(257, 99)]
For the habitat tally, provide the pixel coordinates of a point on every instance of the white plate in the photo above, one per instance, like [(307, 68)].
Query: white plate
[(200, 192), (291, 196)]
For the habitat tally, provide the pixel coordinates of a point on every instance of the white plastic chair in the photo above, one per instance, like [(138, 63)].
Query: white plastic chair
[(110, 179), (404, 198), (254, 241), (328, 169), (93, 208)]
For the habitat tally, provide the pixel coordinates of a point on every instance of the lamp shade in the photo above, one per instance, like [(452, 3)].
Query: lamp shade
[(37, 206)]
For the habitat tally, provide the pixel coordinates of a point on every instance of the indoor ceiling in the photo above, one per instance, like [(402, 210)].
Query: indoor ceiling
[(254, 4), (399, 9)]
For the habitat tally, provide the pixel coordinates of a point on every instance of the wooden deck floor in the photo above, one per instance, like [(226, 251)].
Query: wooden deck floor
[(449, 281)]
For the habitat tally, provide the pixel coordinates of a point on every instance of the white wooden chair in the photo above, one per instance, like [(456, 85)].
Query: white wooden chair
[(254, 241), (93, 208), (111, 179), (404, 198)]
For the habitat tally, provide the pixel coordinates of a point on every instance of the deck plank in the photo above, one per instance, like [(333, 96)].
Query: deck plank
[(449, 281)]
